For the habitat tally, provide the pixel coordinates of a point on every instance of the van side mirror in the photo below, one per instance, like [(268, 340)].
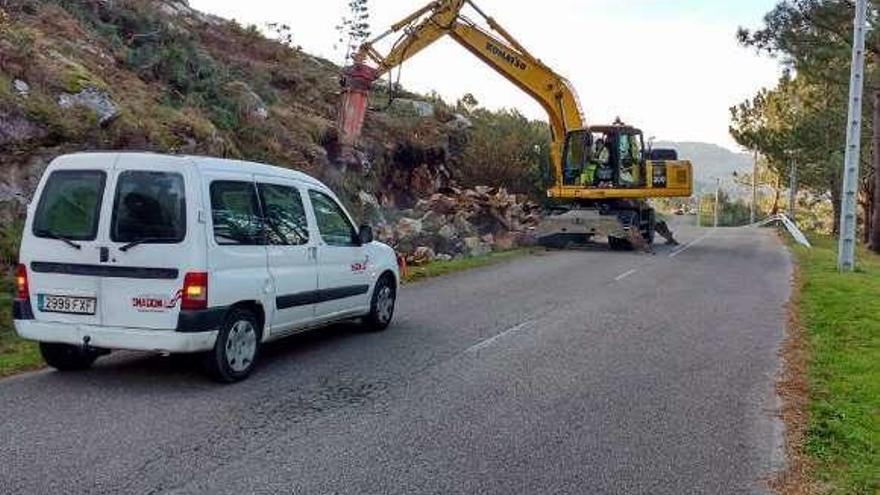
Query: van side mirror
[(365, 234)]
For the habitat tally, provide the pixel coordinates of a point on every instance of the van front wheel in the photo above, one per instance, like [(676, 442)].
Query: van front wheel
[(66, 357), (237, 348), (382, 305)]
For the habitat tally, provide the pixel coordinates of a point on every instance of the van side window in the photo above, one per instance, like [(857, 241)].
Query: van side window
[(149, 206), (70, 205), (285, 217), (333, 224), (235, 211)]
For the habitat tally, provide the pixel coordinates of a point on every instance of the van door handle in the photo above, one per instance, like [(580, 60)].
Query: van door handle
[(104, 254), (313, 253)]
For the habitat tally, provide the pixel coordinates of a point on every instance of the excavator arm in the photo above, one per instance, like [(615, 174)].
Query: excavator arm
[(497, 49)]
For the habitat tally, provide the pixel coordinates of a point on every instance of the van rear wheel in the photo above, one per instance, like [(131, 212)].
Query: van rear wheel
[(237, 348), (66, 357)]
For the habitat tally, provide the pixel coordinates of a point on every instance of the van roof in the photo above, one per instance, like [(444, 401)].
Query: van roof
[(202, 162)]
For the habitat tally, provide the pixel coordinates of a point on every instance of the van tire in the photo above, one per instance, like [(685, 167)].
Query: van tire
[(237, 348), (381, 305), (66, 357)]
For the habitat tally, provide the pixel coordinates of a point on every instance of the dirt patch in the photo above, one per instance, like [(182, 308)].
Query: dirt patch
[(793, 388)]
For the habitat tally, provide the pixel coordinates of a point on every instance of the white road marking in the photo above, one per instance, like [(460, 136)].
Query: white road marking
[(689, 245), (625, 274), (486, 343)]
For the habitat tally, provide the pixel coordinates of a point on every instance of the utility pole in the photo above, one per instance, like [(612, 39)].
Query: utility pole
[(792, 188), (717, 194), (847, 249), (753, 210)]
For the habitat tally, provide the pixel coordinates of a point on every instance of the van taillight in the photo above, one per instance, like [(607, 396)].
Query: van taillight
[(22, 292), (195, 291)]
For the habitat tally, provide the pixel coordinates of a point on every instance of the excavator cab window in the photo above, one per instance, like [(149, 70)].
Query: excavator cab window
[(576, 164), (631, 160), (617, 158)]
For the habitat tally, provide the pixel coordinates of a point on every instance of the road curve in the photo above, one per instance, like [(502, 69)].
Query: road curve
[(562, 372)]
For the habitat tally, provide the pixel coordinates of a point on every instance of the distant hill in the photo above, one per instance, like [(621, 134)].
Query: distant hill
[(710, 160)]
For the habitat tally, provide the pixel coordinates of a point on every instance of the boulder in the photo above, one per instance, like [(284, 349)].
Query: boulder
[(442, 204), (97, 100), (474, 246), (21, 88), (372, 210), (505, 241), (447, 232), (408, 227), (433, 222), (421, 256)]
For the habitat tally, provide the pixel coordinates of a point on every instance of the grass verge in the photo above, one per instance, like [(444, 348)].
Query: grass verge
[(840, 318), (16, 354), (438, 268)]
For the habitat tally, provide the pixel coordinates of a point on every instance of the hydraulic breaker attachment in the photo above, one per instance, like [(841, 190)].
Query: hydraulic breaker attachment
[(357, 80)]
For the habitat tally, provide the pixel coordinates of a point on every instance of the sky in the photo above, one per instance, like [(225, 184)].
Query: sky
[(670, 67)]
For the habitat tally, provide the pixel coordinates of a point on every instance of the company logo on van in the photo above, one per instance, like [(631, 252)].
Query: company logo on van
[(149, 303), (360, 266)]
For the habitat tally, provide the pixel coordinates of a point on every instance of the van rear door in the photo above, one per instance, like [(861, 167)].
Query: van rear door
[(61, 244), (154, 237)]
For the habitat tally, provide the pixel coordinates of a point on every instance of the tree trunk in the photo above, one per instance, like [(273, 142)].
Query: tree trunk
[(835, 204), (874, 245), (777, 192)]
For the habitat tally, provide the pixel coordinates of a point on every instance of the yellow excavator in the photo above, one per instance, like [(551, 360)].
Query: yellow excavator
[(603, 175)]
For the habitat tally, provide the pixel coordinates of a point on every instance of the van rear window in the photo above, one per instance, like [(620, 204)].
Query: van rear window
[(70, 205), (150, 207), (235, 211)]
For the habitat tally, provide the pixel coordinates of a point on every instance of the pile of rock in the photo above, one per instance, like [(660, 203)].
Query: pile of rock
[(455, 223)]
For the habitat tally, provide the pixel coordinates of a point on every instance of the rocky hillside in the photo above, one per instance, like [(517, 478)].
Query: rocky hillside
[(157, 75)]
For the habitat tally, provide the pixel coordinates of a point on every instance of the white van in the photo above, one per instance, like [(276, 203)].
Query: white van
[(181, 254)]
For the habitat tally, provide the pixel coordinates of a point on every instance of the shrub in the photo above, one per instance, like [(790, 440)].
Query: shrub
[(504, 148)]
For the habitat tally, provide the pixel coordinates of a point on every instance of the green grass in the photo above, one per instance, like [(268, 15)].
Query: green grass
[(841, 314), (438, 268), (16, 354)]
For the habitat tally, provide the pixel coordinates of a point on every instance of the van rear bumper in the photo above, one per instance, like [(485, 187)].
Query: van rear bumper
[(135, 339)]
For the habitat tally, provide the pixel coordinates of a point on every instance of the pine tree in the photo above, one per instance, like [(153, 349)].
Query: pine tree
[(354, 29)]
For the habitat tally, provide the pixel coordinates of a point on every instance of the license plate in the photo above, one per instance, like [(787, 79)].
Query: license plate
[(67, 304)]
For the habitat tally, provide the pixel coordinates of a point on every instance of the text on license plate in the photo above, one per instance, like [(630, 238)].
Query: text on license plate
[(67, 304)]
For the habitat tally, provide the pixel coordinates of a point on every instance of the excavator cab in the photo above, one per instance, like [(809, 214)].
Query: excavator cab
[(605, 157)]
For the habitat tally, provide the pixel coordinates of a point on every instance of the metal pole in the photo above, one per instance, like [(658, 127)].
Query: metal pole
[(792, 191), (699, 209), (753, 210), (717, 194), (847, 248)]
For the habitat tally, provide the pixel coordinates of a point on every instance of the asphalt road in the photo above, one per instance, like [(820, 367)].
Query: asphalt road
[(564, 372)]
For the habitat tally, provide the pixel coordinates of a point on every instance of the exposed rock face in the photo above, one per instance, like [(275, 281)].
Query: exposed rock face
[(421, 108), (15, 128), (97, 100)]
